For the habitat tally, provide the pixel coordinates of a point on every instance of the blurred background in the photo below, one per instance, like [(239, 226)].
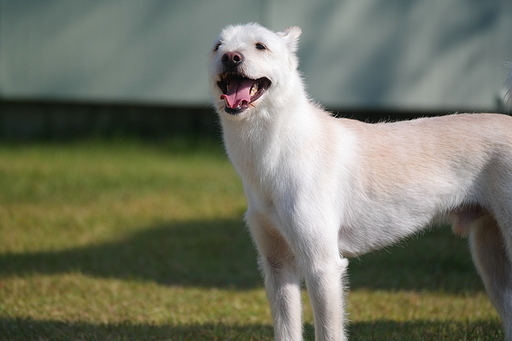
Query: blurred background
[(71, 68)]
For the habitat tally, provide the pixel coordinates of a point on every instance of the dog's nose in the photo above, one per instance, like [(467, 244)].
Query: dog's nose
[(232, 59)]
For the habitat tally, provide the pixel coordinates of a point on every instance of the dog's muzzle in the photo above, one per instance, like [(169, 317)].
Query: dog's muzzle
[(238, 91)]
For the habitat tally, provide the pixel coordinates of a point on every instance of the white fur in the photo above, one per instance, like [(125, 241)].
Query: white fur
[(320, 189)]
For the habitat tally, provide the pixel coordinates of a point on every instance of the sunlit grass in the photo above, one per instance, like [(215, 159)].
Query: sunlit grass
[(131, 240)]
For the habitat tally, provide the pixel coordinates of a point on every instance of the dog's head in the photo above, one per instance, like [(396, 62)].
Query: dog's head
[(247, 62)]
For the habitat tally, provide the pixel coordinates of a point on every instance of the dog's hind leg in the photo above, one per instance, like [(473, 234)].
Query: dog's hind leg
[(282, 278), (489, 251)]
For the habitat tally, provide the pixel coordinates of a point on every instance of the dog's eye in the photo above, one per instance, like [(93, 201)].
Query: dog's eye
[(260, 46), (216, 48)]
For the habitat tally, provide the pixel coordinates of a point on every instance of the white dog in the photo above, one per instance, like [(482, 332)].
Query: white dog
[(320, 188)]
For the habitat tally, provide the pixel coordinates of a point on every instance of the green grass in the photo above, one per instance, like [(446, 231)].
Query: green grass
[(131, 240)]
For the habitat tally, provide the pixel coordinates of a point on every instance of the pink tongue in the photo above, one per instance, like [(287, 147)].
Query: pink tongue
[(238, 93)]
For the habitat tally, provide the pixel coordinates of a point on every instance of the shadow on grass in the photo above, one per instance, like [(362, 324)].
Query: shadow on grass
[(205, 254), (220, 254), (435, 260), (14, 329)]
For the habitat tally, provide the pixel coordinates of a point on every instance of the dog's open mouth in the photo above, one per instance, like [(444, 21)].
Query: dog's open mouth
[(239, 92)]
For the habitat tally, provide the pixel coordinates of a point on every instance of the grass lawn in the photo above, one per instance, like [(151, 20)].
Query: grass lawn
[(130, 240)]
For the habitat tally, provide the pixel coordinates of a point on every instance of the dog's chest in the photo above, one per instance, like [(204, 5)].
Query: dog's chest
[(264, 163)]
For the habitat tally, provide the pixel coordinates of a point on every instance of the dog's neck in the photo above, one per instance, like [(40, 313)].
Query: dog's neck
[(259, 143), (269, 121), (271, 116)]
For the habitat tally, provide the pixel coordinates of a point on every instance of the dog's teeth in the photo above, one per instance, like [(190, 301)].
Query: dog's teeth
[(254, 89)]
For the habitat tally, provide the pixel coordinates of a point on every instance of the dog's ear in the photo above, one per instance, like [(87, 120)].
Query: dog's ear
[(291, 35)]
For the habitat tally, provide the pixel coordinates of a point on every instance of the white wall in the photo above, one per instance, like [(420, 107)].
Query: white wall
[(431, 54)]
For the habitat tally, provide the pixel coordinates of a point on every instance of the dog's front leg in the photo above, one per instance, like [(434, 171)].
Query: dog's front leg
[(282, 284), (282, 278), (324, 281)]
